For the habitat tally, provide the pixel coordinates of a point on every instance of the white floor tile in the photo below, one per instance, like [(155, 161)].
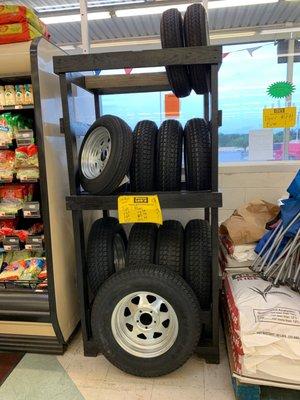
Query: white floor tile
[(116, 375), (219, 395), (190, 374), (177, 393), (115, 391), (87, 370)]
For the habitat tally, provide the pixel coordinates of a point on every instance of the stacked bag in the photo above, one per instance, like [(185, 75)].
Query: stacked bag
[(20, 24)]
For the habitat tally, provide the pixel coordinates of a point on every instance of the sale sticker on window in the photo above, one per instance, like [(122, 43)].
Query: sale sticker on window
[(280, 117), (139, 209)]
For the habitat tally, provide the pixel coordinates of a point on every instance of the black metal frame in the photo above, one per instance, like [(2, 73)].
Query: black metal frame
[(68, 68)]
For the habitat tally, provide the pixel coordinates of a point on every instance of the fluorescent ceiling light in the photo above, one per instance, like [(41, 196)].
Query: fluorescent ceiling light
[(61, 19), (237, 3), (232, 35), (68, 47), (131, 12), (98, 15), (283, 30)]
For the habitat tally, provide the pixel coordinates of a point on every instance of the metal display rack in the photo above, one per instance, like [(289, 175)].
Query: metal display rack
[(69, 69)]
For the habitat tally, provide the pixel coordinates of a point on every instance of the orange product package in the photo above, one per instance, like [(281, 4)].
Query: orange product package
[(18, 32), (10, 14)]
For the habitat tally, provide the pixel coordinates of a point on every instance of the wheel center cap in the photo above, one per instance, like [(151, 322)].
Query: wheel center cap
[(146, 319)]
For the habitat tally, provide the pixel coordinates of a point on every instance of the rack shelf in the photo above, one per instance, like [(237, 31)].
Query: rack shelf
[(138, 59), (70, 69), (182, 199), (16, 108), (134, 83)]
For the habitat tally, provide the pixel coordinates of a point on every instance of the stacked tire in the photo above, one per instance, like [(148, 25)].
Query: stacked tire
[(149, 292), (188, 32), (157, 156)]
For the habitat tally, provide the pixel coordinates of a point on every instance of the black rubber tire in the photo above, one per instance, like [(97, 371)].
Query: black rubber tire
[(197, 155), (142, 170), (198, 266), (172, 288), (196, 33), (169, 156), (171, 32), (170, 246), (141, 244), (100, 251), (119, 160)]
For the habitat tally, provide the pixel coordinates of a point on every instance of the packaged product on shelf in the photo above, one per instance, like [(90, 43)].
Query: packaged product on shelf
[(28, 174), (26, 156), (43, 285), (6, 129), (10, 14), (7, 227), (18, 32), (13, 271), (25, 269), (20, 122), (12, 198), (9, 92), (23, 234), (12, 256), (19, 89), (33, 268), (36, 229), (28, 94), (43, 274), (2, 96), (7, 161)]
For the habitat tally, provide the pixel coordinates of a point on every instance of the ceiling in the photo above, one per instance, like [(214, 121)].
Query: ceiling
[(280, 14)]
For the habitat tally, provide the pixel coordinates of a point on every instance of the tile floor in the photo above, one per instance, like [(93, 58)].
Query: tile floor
[(97, 379), (75, 377)]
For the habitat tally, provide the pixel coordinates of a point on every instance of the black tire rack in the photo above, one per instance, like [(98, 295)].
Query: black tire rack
[(32, 320), (69, 68)]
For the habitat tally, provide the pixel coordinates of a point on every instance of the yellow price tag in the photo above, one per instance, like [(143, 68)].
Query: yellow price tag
[(279, 117), (143, 209)]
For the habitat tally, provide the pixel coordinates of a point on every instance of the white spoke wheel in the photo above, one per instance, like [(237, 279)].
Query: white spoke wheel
[(95, 153), (144, 324), (146, 320), (105, 155)]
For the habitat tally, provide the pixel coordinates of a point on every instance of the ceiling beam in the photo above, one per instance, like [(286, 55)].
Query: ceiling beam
[(112, 9)]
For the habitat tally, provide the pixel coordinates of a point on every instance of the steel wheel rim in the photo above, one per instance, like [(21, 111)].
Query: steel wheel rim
[(96, 153), (119, 252), (144, 324)]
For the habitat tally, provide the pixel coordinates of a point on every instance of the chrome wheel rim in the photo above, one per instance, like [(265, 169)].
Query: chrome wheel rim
[(144, 324), (119, 253), (95, 153)]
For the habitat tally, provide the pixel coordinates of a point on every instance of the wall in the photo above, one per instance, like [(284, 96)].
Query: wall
[(243, 182)]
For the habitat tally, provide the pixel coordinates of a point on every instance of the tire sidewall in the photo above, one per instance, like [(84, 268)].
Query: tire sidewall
[(111, 124), (101, 322)]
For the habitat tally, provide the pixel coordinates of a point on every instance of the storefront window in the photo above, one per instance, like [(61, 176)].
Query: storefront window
[(245, 75)]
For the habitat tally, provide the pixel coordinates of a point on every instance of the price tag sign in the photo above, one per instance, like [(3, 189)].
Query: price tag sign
[(31, 209), (24, 137), (34, 243), (11, 243), (139, 209), (279, 117)]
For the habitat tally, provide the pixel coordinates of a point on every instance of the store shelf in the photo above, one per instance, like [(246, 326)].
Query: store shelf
[(23, 304), (134, 83), (181, 199), (138, 59), (16, 108)]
